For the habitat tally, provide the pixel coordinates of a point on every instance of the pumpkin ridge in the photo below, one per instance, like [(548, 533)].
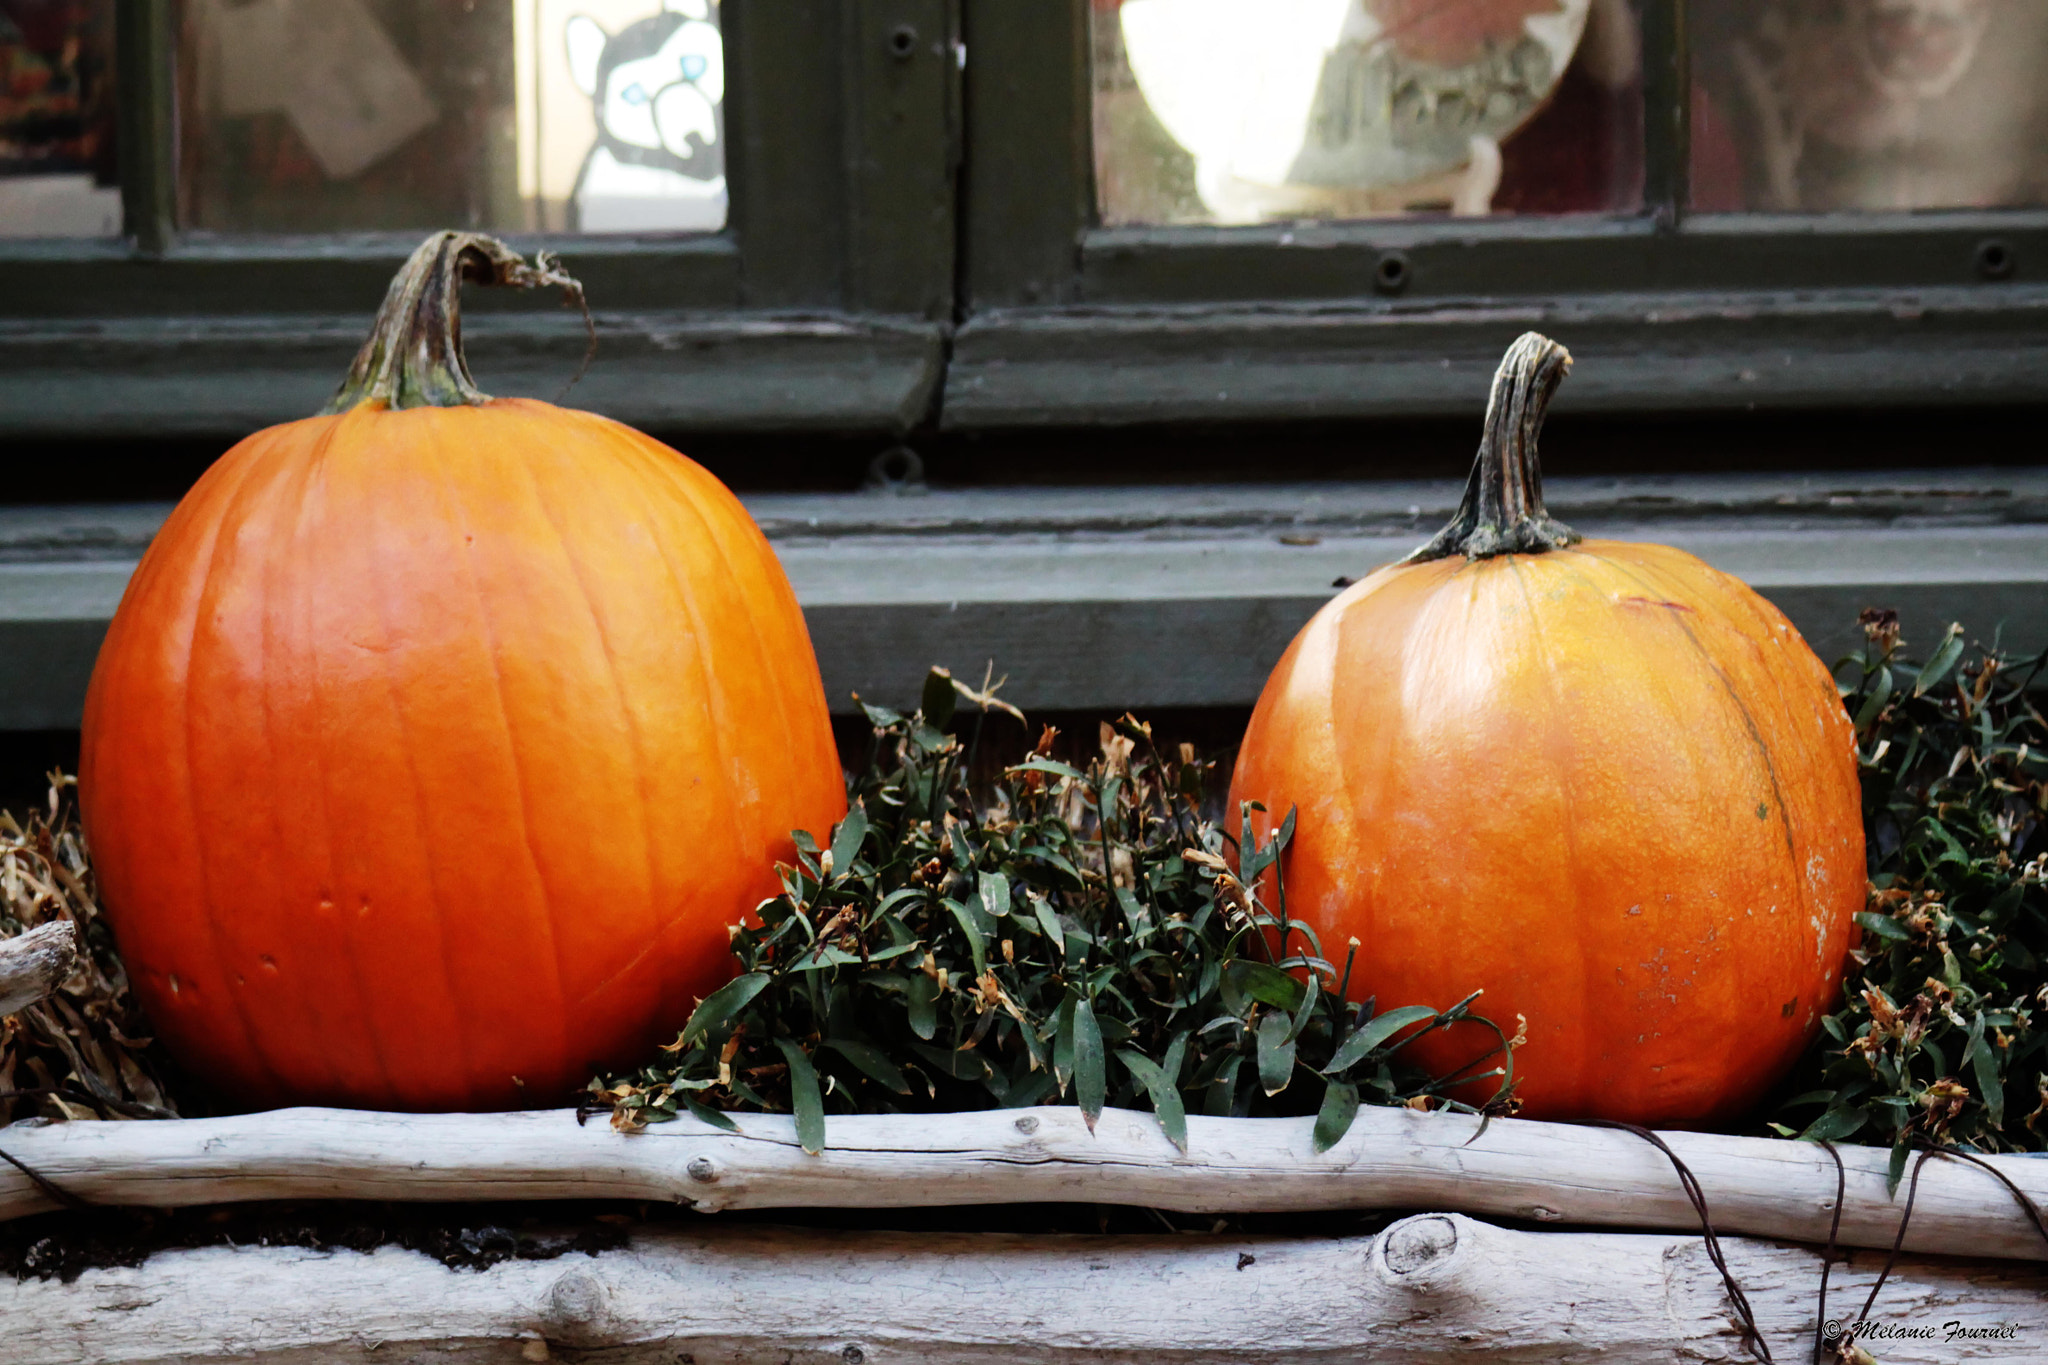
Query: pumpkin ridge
[(232, 501), (712, 699), (429, 863), (1756, 737), (503, 732), (628, 722), (1357, 794), (680, 476), (311, 464), (1560, 735)]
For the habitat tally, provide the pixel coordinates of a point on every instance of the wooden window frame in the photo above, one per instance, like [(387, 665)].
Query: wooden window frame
[(1071, 324), (822, 305)]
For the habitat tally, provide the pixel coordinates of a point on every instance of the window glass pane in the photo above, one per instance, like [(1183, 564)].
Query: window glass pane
[(512, 115), (1869, 104), (1245, 111), (58, 176)]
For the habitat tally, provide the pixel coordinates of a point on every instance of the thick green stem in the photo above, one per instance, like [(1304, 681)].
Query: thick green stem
[(413, 358), (1502, 513)]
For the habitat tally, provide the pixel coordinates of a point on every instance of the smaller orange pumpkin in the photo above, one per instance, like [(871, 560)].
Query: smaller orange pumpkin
[(1604, 782)]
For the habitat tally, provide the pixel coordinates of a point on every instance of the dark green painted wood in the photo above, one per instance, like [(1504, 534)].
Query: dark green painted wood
[(1635, 353), (225, 377), (1667, 110), (146, 88), (785, 130), (902, 155), (342, 277), (1028, 188), (1554, 259)]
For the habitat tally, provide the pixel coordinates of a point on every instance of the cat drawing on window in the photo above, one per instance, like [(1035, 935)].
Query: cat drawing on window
[(658, 89)]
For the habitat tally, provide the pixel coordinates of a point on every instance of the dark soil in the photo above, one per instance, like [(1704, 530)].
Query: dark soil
[(64, 1245)]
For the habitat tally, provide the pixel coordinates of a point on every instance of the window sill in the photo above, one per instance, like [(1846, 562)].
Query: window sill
[(1167, 597)]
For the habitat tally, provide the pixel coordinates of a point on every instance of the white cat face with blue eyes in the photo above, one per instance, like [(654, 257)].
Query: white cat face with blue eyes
[(660, 99)]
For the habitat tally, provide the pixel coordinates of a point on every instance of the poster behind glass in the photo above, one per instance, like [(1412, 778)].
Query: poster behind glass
[(518, 115), (1246, 111), (58, 171)]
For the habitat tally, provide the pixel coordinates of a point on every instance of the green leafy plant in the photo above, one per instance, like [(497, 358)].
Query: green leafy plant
[(1939, 1038), (1065, 933)]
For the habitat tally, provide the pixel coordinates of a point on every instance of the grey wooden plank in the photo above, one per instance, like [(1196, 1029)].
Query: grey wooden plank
[(1645, 353), (1151, 597), (144, 377)]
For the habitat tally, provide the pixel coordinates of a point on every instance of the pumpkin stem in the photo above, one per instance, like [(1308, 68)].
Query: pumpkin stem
[(414, 358), (1502, 513)]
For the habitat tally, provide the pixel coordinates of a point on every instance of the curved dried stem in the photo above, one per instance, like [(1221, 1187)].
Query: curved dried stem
[(1503, 511), (413, 358)]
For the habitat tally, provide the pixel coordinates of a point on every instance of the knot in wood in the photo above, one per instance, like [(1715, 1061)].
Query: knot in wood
[(578, 1300), (1028, 1124), (1417, 1244), (703, 1170)]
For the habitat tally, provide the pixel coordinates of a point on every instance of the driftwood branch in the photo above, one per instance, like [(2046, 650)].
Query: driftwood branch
[(1431, 1288), (1391, 1159), (34, 964)]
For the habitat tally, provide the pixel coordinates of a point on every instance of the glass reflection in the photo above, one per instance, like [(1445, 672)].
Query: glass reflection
[(536, 115), (1242, 111), (1869, 104), (58, 174)]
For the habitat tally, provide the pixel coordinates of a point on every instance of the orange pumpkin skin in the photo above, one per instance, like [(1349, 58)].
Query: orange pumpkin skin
[(431, 752), (1608, 784)]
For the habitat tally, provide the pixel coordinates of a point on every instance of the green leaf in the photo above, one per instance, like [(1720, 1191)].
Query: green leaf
[(1048, 765), (1063, 1043), (1307, 1010), (995, 894), (1835, 1123), (1377, 1031), (1880, 692), (1041, 910), (938, 699), (922, 998), (1990, 1087), (1333, 1120), (1090, 1080), (1265, 983), (873, 1063), (1276, 1053), (846, 844), (804, 1097), (1884, 926), (1135, 918), (1166, 1104), (721, 1005), (881, 717), (1944, 658), (704, 1113), (1896, 1170), (970, 922)]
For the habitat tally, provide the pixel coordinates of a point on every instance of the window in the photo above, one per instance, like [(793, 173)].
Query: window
[(758, 197), (1862, 235), (58, 142)]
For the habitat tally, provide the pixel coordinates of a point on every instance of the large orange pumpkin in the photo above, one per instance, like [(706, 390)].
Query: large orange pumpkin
[(1606, 783), (438, 740)]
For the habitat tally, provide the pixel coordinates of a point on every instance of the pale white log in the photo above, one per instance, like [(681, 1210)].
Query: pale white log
[(35, 963), (1391, 1159), (1432, 1288)]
